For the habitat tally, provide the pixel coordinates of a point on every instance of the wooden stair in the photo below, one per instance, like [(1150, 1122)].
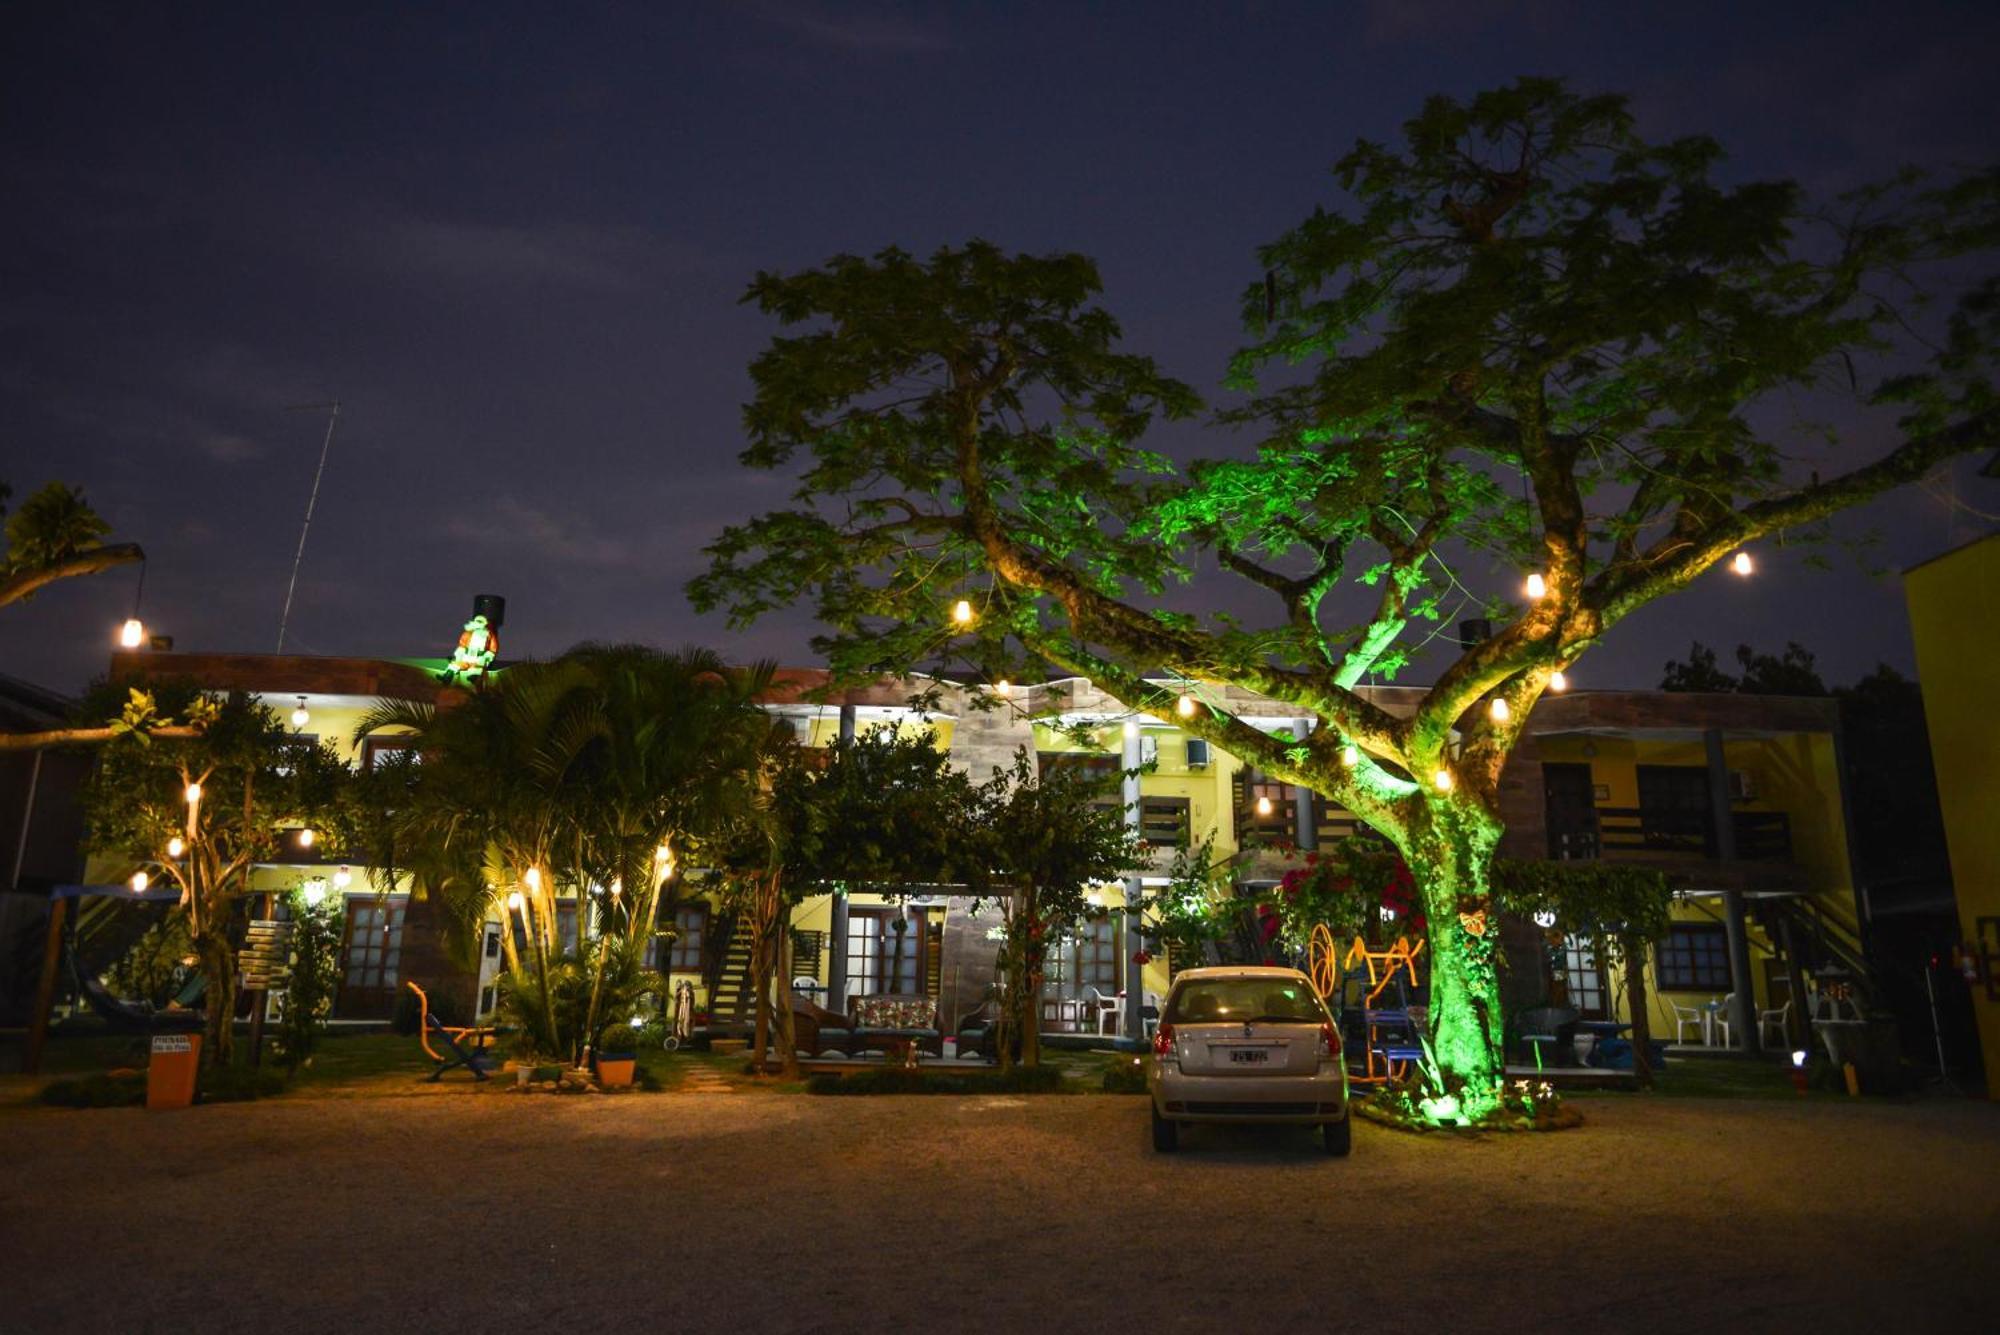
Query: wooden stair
[(730, 998)]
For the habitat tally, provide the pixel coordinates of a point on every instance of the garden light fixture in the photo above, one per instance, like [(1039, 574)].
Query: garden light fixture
[(176, 846), (193, 794), (1350, 754), (132, 634), (1443, 780), (961, 612), (1742, 563), (533, 877), (1185, 705), (1536, 586), (1263, 805), (1558, 681), (1499, 710), (306, 837), (517, 904), (1003, 688), (139, 882), (300, 716)]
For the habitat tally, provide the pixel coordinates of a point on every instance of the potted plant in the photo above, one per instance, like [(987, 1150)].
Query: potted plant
[(618, 1060)]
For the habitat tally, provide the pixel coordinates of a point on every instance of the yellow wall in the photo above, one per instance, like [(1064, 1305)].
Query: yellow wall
[(1955, 620)]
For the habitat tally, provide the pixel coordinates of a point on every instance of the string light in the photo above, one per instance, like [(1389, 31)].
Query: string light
[(193, 794), (140, 881), (176, 847), (1536, 586), (1263, 805), (516, 903), (1350, 754), (132, 634), (1500, 710), (1558, 681), (961, 612), (1742, 564), (1443, 780), (1003, 688), (1185, 705), (617, 887), (533, 878), (306, 837), (300, 716)]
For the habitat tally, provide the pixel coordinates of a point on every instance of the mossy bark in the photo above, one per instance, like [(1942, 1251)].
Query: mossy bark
[(1451, 860)]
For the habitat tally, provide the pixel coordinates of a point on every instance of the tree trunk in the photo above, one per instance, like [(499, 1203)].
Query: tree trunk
[(1451, 862), (788, 1046), (218, 961), (1634, 951)]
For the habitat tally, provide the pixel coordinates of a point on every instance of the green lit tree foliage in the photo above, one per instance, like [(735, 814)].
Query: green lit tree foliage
[(1529, 337), (202, 812)]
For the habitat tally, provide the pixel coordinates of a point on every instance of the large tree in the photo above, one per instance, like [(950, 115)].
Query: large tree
[(1530, 339)]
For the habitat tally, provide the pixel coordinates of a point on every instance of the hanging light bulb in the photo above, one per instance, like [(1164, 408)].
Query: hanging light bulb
[(140, 881), (1742, 563), (343, 878), (132, 634), (1443, 780), (533, 878), (1003, 688), (193, 794), (961, 612), (1263, 804), (1537, 586), (300, 716), (176, 846), (1558, 681), (1185, 705), (306, 837), (1350, 755), (515, 902), (617, 887), (1499, 710)]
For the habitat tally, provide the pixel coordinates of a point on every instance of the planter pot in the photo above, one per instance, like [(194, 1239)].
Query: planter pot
[(615, 1072)]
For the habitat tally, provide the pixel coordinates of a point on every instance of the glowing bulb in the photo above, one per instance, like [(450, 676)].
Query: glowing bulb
[(1263, 806), (1184, 706), (534, 878), (515, 902), (638, 1022), (1499, 710), (132, 634), (1537, 586), (192, 794), (1443, 780), (1350, 754), (961, 612), (1742, 565), (343, 878), (300, 716), (176, 846), (314, 891), (1545, 918), (1388, 914), (1798, 1059), (1558, 681), (1003, 688), (306, 837), (617, 887), (140, 881), (663, 854)]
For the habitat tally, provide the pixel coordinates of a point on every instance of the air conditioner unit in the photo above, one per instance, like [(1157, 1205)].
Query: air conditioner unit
[(1197, 753), (1149, 750), (1742, 787)]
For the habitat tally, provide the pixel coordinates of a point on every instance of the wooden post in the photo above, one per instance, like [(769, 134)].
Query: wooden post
[(45, 987)]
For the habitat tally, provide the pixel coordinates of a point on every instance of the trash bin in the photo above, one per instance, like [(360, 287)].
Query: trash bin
[(170, 1075)]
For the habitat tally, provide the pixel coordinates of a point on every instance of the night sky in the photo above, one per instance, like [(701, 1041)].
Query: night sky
[(510, 239)]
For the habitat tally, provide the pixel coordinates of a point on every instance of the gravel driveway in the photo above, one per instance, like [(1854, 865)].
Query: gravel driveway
[(757, 1212)]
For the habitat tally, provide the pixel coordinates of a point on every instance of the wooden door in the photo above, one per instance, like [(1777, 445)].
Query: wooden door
[(373, 958), (1571, 811)]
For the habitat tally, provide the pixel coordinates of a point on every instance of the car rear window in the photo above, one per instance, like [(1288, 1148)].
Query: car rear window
[(1235, 1000)]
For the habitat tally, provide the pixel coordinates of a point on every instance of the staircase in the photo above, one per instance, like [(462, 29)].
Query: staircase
[(1828, 943), (731, 998)]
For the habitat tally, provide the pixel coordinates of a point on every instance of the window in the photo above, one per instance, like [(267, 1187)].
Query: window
[(1585, 980), (1694, 959), (1245, 1000), (1163, 821), (1097, 954), (1266, 810), (387, 749), (690, 936), (374, 944), (879, 958)]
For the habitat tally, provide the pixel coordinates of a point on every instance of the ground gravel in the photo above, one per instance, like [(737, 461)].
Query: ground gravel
[(754, 1212)]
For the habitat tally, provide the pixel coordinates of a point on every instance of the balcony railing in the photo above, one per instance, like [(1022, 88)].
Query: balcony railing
[(1760, 836)]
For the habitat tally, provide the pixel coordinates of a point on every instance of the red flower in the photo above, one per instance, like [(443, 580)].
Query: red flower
[(1141, 958)]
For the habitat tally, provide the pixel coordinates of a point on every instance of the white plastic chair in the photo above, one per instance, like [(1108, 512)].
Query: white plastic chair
[(1779, 1020), (1683, 1017)]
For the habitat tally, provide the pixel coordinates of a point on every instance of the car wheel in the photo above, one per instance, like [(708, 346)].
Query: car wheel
[(1166, 1135), (1339, 1136)]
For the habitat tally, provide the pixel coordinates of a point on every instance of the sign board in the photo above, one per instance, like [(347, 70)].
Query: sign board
[(172, 1043), (266, 959)]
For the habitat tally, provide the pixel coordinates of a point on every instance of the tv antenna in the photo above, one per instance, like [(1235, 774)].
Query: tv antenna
[(332, 411)]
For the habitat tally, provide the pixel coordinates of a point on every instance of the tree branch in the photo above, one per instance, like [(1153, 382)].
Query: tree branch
[(24, 583)]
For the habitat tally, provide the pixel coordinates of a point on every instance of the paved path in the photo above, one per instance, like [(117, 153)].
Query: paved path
[(692, 1213)]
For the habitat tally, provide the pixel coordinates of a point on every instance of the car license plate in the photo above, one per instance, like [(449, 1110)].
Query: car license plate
[(1249, 1056)]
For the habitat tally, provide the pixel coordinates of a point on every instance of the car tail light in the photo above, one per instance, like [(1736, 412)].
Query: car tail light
[(1163, 1041), (1329, 1042)]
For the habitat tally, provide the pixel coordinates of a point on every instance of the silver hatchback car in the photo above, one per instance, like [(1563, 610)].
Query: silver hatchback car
[(1247, 1045)]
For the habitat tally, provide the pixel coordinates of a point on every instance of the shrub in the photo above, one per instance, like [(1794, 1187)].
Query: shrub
[(1125, 1078), (95, 1091)]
